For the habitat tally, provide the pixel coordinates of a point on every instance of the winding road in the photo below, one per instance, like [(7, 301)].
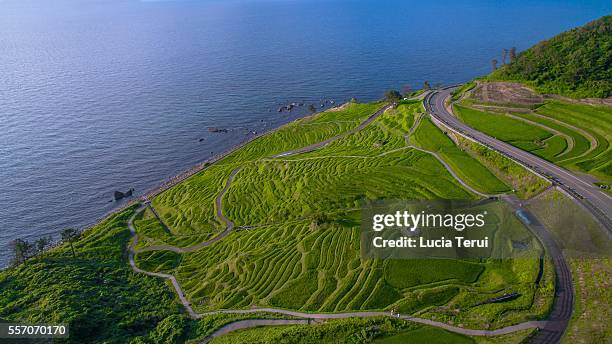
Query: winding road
[(586, 194)]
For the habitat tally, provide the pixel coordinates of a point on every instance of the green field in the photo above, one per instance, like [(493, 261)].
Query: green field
[(426, 335), (188, 208), (575, 136), (595, 121), (430, 138), (520, 134)]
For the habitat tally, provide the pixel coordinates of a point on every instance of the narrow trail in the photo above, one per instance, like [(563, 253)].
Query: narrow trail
[(131, 253), (318, 145), (229, 224), (317, 317), (435, 155), (306, 318)]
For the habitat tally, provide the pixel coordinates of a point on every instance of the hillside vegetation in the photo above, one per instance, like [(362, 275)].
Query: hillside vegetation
[(95, 293), (576, 63)]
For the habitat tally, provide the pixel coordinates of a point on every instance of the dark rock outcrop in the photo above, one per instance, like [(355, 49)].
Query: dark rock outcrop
[(118, 195)]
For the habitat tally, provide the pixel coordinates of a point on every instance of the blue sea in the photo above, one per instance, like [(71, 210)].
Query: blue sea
[(98, 96)]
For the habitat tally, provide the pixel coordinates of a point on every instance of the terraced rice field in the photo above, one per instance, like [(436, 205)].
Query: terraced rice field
[(575, 136), (594, 123), (189, 208), (429, 137), (296, 241)]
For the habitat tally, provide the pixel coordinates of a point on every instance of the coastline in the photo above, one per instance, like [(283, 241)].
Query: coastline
[(177, 179), (168, 183)]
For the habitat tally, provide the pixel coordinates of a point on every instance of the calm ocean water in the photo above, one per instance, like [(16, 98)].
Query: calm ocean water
[(97, 96)]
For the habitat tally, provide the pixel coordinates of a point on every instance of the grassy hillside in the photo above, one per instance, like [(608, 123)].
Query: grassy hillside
[(96, 293), (576, 63), (429, 137)]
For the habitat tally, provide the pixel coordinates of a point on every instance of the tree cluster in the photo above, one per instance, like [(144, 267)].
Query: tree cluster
[(24, 249), (576, 63)]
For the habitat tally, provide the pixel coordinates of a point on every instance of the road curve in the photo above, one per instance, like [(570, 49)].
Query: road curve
[(228, 223), (563, 302), (588, 195)]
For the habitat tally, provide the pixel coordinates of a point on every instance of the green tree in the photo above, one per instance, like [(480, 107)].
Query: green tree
[(575, 63), (41, 244), (426, 85), (512, 54), (70, 235), (22, 250), (393, 95)]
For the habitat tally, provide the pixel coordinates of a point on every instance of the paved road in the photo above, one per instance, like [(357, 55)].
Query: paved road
[(586, 194), (563, 302), (172, 279)]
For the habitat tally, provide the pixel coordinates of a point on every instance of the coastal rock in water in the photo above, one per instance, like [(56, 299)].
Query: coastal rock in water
[(217, 130), (120, 195)]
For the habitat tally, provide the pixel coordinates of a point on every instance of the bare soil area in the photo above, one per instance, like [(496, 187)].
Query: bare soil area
[(506, 93)]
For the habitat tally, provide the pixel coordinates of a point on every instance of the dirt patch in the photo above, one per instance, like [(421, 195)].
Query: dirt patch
[(515, 94), (505, 93), (502, 109)]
